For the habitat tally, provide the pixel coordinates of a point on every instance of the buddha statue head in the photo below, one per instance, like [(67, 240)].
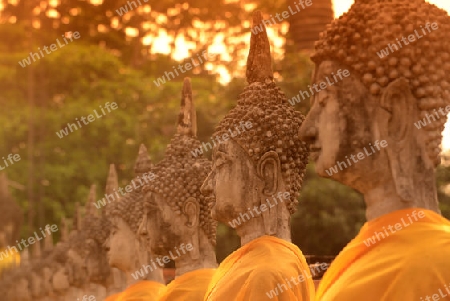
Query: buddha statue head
[(60, 276), (258, 169), (378, 128), (10, 213), (126, 249), (177, 220), (86, 254)]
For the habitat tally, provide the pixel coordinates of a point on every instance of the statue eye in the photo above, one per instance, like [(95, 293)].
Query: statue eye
[(322, 97), (221, 159)]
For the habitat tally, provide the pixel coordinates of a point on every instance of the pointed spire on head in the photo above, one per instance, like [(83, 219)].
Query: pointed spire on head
[(187, 119), (4, 191), (77, 218), (25, 258), (64, 230), (48, 243), (90, 207), (143, 162), (36, 250), (112, 183), (259, 61)]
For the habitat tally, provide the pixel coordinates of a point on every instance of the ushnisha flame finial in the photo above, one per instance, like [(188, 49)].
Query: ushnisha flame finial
[(112, 182), (259, 61), (187, 119), (143, 162)]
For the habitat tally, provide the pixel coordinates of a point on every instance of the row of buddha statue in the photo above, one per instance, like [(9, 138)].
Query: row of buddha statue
[(402, 252)]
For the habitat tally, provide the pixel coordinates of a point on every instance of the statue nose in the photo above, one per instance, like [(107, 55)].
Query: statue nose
[(207, 186), (308, 131), (143, 226)]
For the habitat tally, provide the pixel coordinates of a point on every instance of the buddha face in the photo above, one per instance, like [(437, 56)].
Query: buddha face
[(97, 265), (340, 125), (234, 182), (78, 267), (162, 228), (121, 246), (60, 279)]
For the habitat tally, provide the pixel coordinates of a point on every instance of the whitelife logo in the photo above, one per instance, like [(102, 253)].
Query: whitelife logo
[(161, 261), (49, 229), (90, 118), (319, 87), (27, 61), (411, 38), (398, 226)]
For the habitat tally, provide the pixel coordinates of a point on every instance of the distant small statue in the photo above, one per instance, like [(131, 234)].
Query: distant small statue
[(177, 220), (126, 250)]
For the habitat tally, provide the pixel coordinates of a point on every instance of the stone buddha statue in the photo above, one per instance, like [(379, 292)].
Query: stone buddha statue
[(256, 177), (127, 251), (177, 222), (10, 213), (378, 130)]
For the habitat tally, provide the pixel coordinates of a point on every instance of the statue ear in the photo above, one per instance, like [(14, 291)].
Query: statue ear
[(269, 170), (395, 118), (191, 210)]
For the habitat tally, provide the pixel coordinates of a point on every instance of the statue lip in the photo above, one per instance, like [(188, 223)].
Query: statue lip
[(314, 149)]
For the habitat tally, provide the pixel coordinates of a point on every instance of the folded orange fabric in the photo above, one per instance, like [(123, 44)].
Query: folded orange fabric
[(142, 291), (267, 268), (188, 287), (403, 255)]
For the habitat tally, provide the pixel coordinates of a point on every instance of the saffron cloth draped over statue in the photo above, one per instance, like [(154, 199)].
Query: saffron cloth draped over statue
[(267, 268), (189, 286), (383, 262), (142, 291)]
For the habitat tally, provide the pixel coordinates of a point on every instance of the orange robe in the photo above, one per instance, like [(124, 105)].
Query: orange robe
[(403, 255), (8, 259), (267, 268), (188, 287), (114, 297), (142, 291)]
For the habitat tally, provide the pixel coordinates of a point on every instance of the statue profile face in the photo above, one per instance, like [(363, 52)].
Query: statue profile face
[(78, 267), (340, 125), (96, 262), (122, 245), (60, 279), (163, 228), (233, 180)]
